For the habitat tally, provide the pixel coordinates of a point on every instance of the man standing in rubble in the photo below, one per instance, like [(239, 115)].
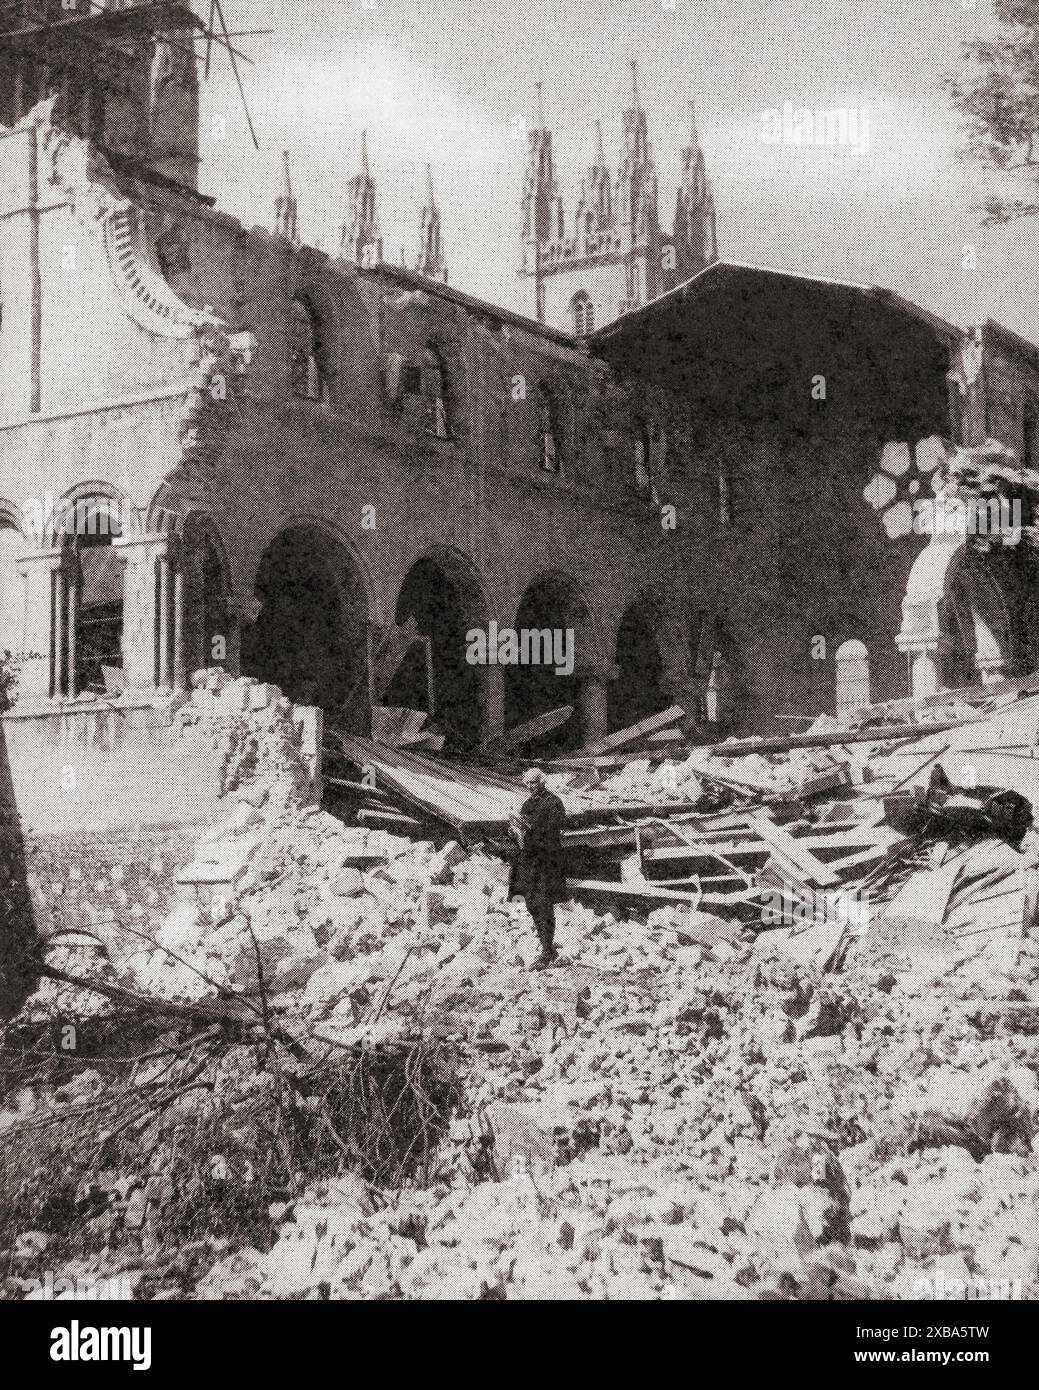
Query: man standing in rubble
[(537, 871)]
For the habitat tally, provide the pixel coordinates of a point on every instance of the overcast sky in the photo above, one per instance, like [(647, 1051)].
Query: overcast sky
[(444, 82)]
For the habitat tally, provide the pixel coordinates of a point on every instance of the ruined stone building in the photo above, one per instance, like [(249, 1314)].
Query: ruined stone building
[(222, 447)]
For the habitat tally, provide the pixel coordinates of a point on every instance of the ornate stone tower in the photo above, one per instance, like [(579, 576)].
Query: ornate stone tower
[(636, 201), (618, 255), (431, 260), (360, 239), (695, 236)]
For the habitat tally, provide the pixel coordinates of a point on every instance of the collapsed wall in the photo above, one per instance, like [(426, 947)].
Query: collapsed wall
[(102, 801)]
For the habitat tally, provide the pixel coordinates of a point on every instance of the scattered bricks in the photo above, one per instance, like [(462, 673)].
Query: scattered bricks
[(437, 908), (348, 883), (523, 1140), (443, 863), (261, 696)]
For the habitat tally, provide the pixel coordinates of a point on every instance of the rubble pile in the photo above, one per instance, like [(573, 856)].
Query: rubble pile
[(808, 1070)]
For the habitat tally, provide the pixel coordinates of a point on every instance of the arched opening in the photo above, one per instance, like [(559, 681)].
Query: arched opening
[(445, 599), (977, 625), (642, 449), (205, 595), (548, 430), (553, 639), (637, 692), (311, 634), (92, 569), (12, 600), (309, 375), (434, 393)]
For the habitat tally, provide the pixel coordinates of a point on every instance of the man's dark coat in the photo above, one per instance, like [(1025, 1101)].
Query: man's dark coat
[(537, 870)]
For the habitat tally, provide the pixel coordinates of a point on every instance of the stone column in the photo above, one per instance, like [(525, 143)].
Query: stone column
[(162, 603), (38, 678), (925, 669), (592, 700), (493, 684), (241, 612), (180, 678), (141, 626)]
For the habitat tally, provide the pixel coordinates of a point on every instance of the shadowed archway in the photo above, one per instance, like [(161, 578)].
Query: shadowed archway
[(553, 606), (444, 596), (310, 635), (638, 690)]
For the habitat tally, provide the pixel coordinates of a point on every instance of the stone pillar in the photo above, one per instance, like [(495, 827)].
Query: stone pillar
[(592, 700), (925, 668), (38, 676), (180, 677), (241, 612), (141, 625), (494, 701), (162, 603)]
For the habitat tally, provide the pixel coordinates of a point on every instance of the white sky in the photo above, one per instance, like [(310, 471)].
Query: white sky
[(443, 83)]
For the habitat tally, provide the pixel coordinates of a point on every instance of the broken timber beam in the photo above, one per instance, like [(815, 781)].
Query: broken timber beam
[(794, 852), (526, 732), (881, 734), (651, 725)]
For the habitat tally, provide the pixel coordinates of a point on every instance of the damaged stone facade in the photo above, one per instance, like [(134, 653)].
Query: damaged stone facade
[(220, 447)]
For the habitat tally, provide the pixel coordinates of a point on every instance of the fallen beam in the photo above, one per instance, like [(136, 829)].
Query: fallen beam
[(526, 732), (634, 731), (882, 734), (790, 849)]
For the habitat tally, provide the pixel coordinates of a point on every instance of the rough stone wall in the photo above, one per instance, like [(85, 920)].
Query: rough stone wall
[(99, 809)]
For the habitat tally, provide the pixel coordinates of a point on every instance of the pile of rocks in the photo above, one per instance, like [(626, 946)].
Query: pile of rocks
[(672, 1112)]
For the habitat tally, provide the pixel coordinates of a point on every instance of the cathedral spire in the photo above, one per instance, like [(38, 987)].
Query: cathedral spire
[(635, 85), (360, 239), (430, 260), (695, 237), (285, 207), (600, 157)]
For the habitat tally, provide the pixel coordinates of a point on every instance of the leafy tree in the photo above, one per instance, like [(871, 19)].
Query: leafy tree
[(998, 94), (8, 681)]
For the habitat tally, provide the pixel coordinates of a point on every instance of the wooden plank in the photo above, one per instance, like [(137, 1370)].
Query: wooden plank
[(635, 895), (361, 788), (526, 732), (635, 731), (882, 734), (371, 817), (789, 848)]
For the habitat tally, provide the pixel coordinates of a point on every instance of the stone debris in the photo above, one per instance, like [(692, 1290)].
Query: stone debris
[(831, 1103)]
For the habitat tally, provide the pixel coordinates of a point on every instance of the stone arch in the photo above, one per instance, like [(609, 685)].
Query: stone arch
[(554, 603), (326, 317), (90, 603), (95, 502), (445, 593), (642, 678), (981, 633), (957, 625), (310, 633)]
